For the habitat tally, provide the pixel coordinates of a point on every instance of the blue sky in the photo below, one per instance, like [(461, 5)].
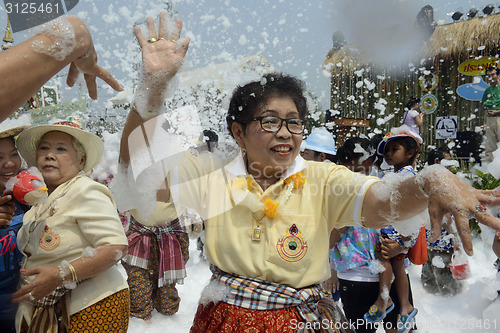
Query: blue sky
[(294, 35)]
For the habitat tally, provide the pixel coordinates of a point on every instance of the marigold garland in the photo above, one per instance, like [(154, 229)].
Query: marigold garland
[(295, 181), (298, 179), (270, 208)]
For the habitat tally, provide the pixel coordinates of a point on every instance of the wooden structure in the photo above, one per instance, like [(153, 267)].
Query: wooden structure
[(348, 127), (447, 47)]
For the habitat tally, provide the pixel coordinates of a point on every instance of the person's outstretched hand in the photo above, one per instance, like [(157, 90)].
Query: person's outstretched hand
[(86, 61)]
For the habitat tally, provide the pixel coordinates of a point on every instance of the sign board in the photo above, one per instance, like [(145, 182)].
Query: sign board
[(473, 91), (446, 127), (478, 66), (428, 81), (428, 104)]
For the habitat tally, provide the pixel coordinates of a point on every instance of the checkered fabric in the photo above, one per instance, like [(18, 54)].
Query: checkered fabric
[(171, 263), (311, 303)]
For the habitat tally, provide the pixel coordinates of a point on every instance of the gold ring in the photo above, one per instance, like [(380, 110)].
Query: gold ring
[(152, 40), (173, 41)]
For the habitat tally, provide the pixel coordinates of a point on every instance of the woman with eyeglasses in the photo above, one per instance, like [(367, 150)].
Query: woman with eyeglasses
[(269, 213)]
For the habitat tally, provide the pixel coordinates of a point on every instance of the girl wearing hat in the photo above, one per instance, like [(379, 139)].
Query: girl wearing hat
[(268, 214), (400, 148), (11, 220), (72, 241)]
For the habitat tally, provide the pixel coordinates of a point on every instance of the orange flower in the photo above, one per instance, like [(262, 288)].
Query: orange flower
[(298, 180), (270, 208)]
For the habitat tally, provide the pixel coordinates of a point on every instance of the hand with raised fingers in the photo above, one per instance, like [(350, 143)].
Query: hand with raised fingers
[(86, 61), (162, 52)]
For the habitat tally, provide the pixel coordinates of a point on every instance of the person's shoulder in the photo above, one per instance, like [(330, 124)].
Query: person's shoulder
[(413, 113), (314, 166), (85, 184)]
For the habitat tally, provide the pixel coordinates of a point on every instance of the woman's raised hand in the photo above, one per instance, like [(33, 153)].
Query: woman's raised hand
[(162, 52)]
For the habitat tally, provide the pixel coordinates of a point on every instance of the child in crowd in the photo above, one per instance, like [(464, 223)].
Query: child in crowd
[(400, 148), (436, 276), (319, 146), (353, 248), (412, 118)]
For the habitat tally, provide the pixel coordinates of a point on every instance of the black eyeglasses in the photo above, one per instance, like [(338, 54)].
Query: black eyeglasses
[(273, 124)]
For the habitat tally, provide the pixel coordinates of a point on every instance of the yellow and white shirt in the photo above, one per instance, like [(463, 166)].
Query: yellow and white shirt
[(293, 248)]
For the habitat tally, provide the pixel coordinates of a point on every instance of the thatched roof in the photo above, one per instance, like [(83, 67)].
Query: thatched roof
[(344, 60), (467, 37)]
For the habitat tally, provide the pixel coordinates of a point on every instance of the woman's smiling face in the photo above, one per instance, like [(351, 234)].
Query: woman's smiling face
[(270, 154)]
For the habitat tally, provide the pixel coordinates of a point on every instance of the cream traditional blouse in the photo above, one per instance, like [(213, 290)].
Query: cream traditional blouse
[(78, 217)]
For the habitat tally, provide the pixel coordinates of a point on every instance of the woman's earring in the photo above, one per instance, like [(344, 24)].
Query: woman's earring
[(243, 151)]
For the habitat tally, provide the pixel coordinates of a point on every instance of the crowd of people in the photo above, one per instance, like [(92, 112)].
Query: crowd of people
[(287, 222)]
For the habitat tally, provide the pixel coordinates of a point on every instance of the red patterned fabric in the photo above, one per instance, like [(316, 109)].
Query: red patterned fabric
[(227, 318)]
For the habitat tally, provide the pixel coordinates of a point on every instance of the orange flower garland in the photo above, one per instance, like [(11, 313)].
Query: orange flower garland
[(296, 181), (270, 208)]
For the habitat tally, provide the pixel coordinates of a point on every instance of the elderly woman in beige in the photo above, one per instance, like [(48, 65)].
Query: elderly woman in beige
[(72, 241)]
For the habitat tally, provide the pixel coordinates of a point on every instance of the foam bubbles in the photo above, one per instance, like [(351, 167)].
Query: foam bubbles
[(63, 35)]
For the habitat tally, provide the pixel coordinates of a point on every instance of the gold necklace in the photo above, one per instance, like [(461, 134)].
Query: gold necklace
[(257, 230), (269, 207)]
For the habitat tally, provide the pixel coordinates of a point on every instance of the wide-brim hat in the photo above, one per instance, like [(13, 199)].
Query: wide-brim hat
[(398, 132), (12, 132), (29, 139)]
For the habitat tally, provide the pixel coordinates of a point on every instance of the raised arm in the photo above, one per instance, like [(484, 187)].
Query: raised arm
[(35, 61), (434, 188), (162, 56)]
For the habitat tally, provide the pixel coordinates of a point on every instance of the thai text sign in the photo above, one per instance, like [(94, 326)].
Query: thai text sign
[(478, 66)]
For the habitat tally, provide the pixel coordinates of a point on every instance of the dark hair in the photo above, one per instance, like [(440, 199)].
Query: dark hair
[(346, 153), (412, 102), (375, 140), (408, 144), (437, 153), (247, 99), (210, 136), (493, 68)]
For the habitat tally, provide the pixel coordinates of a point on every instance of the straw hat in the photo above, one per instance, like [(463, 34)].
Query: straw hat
[(12, 131), (398, 132), (29, 139)]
